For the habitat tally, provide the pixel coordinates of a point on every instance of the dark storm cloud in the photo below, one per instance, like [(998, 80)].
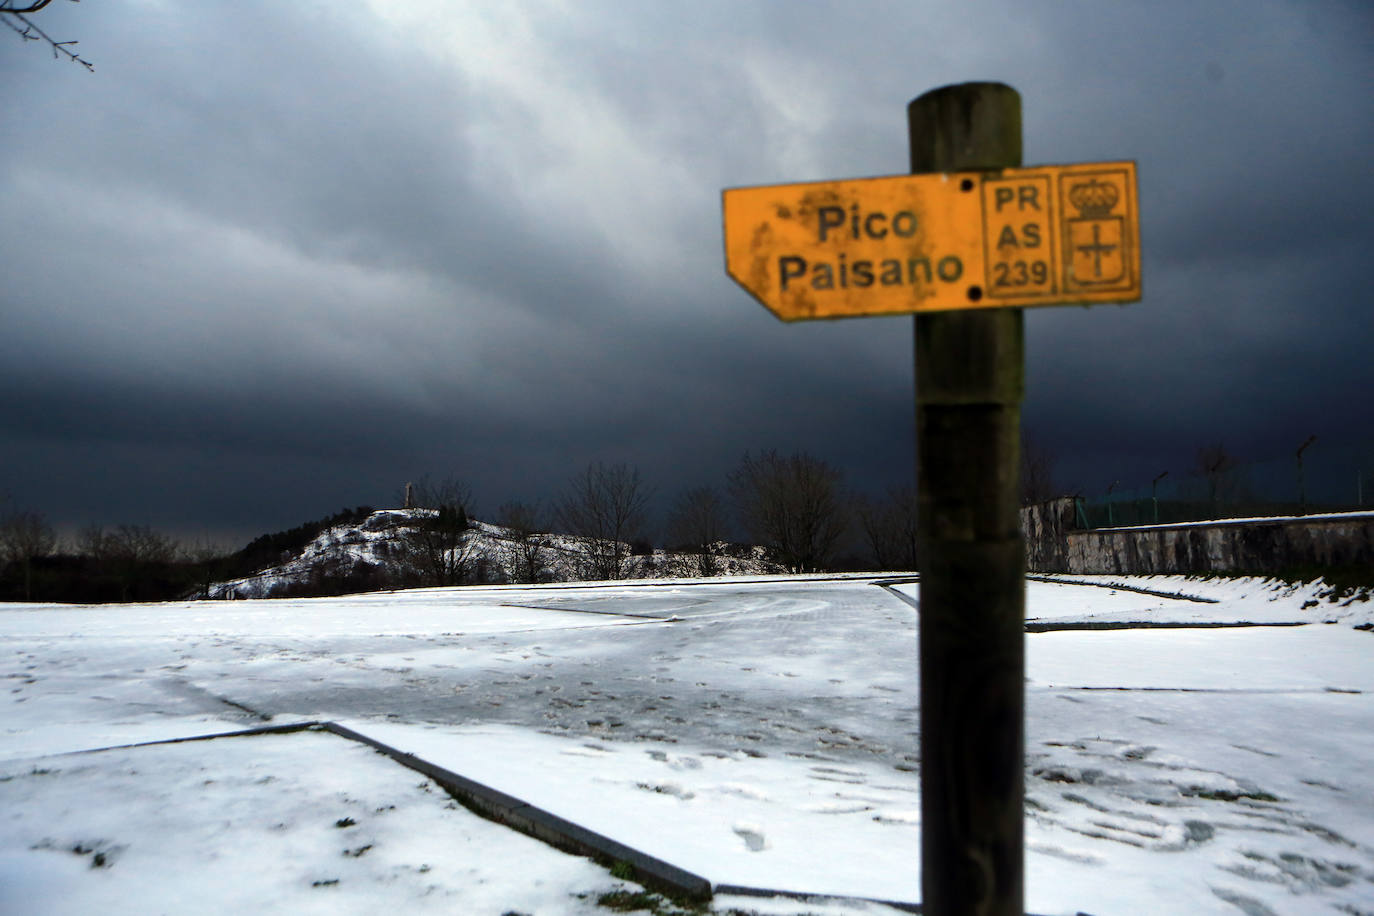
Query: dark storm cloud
[(271, 259)]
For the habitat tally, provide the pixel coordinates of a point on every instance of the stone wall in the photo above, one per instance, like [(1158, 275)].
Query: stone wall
[(1046, 527), (1268, 545)]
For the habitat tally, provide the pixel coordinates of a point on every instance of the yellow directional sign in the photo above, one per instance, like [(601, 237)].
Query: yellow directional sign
[(1050, 235)]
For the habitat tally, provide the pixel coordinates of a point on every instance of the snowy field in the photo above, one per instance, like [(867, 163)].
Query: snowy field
[(760, 733)]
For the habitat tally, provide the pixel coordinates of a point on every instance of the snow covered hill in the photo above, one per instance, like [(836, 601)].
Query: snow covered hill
[(378, 552)]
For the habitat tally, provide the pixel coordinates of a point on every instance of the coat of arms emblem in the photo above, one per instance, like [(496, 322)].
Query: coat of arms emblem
[(1096, 247)]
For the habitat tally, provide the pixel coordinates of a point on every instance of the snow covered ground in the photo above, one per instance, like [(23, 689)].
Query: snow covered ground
[(759, 732)]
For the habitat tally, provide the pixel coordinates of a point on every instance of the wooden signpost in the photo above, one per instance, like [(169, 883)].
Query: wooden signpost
[(963, 243)]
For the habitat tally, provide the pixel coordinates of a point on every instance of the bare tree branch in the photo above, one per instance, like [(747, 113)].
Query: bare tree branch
[(697, 523), (31, 32), (605, 506), (889, 524), (529, 555), (1215, 464), (790, 504), (24, 537), (439, 548), (1038, 483), (31, 8)]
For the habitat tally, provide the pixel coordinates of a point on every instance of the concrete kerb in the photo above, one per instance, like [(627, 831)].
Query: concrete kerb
[(1053, 626), (525, 818), (540, 824), (241, 733), (1118, 587), (737, 890)]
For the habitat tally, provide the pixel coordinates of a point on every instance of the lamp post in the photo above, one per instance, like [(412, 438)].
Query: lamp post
[(1302, 483), (1153, 500)]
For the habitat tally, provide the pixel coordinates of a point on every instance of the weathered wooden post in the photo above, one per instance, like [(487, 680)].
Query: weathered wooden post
[(969, 382)]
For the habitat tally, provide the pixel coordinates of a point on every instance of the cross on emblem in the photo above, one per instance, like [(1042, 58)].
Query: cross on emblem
[(1095, 240), (1097, 249)]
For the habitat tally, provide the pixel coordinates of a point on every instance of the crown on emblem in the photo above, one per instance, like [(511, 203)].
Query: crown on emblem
[(1094, 199)]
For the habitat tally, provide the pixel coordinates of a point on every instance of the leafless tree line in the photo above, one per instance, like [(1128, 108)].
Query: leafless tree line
[(792, 506), (129, 561)]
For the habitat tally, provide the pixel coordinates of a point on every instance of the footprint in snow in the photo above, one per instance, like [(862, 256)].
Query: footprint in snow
[(752, 836)]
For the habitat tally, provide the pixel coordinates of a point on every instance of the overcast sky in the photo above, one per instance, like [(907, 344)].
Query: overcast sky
[(271, 259)]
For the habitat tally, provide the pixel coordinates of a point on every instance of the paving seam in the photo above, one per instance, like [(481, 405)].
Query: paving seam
[(689, 582), (525, 818), (560, 833), (241, 733), (484, 801), (739, 890), (578, 610), (887, 586), (1051, 626), (538, 823), (1178, 596), (1236, 691), (564, 834)]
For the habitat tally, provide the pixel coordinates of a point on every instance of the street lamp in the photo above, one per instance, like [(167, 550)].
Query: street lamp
[(1153, 484), (1302, 483)]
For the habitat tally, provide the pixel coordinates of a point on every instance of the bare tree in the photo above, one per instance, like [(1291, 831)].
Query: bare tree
[(140, 544), (605, 506), (1037, 471), (93, 542), (1215, 464), (529, 555), (889, 526), (24, 537), (18, 11), (208, 561), (791, 505), (137, 554), (697, 522), (439, 548)]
